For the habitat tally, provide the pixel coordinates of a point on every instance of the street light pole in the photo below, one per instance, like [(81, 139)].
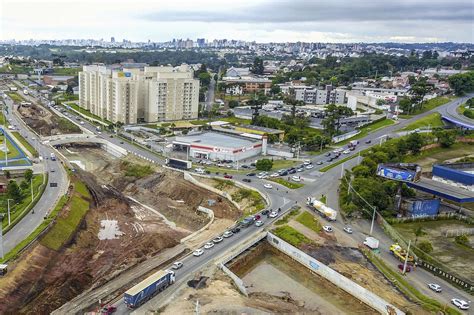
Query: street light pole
[(31, 182), (8, 203), (372, 224), (1, 235), (406, 257)]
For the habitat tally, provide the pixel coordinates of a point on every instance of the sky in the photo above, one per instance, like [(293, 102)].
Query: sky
[(260, 20)]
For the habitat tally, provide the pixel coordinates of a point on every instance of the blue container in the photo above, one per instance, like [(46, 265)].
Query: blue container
[(423, 208)]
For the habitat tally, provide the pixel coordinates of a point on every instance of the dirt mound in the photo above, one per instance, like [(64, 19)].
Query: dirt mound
[(45, 279)]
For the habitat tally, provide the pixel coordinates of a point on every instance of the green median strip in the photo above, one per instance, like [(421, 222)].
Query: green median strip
[(287, 184), (330, 166), (432, 121), (25, 143)]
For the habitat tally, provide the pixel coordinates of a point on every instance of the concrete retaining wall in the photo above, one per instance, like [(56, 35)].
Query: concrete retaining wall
[(333, 276), (210, 214), (237, 281)]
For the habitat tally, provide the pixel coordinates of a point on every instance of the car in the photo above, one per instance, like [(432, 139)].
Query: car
[(435, 287), (327, 228), (275, 175), (293, 171), (208, 245), (307, 162), (273, 214), (407, 268), (347, 229), (247, 180), (265, 212), (301, 169), (329, 160), (308, 167), (109, 309), (198, 252), (199, 170), (320, 163), (368, 141), (328, 154), (346, 151), (82, 123), (284, 173), (228, 176), (244, 166), (257, 217), (258, 223), (461, 304), (227, 234), (217, 240), (296, 178), (268, 186), (177, 265), (251, 174), (236, 230)]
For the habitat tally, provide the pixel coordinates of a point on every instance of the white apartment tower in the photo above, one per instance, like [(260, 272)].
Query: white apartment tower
[(134, 94)]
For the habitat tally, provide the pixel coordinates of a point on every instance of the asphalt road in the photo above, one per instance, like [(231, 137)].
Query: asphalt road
[(450, 111)]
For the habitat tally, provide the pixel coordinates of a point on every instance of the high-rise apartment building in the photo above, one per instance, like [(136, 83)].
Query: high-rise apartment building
[(135, 93)]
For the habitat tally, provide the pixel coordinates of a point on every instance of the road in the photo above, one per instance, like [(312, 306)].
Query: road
[(316, 184), (210, 94), (451, 111), (57, 174)]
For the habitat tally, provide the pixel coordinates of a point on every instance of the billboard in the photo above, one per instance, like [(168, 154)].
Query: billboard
[(422, 208), (399, 172)]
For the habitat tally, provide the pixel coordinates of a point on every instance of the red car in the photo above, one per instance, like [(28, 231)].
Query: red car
[(110, 309), (407, 269), (228, 176)]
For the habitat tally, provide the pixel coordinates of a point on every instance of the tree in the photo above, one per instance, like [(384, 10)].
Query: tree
[(7, 174), (264, 165), (405, 105), (414, 143), (425, 246), (233, 103), (69, 90), (14, 192), (462, 240), (418, 232), (462, 83), (275, 89), (257, 67), (28, 175), (334, 114), (445, 138)]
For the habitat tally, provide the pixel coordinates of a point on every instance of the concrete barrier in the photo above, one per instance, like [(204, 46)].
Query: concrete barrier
[(237, 281), (364, 295), (210, 214)]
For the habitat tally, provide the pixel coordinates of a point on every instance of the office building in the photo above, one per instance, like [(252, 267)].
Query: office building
[(133, 93)]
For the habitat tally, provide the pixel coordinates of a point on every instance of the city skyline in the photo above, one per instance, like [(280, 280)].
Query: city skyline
[(261, 21)]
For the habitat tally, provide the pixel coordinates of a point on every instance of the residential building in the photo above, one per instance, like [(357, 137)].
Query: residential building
[(133, 93), (312, 95)]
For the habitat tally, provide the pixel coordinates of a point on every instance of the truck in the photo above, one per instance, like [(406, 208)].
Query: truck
[(321, 208), (400, 253), (371, 242), (146, 289), (179, 164), (53, 157), (353, 143)]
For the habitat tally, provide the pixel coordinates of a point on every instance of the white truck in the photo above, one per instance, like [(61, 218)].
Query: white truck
[(324, 210), (371, 242)]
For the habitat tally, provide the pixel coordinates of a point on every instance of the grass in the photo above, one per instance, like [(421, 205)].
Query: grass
[(136, 170), (323, 199), (17, 98), (237, 121), (429, 105), (25, 143), (256, 201), (288, 216), (12, 150), (16, 69), (308, 220), (350, 157), (290, 235), (215, 169), (432, 120), (64, 228), (398, 280), (287, 184), (440, 154), (66, 71), (85, 112), (365, 130), (279, 164)]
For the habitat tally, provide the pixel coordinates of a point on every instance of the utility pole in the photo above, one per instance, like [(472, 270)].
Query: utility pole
[(31, 184), (406, 257), (342, 170), (8, 204), (372, 224), (1, 235)]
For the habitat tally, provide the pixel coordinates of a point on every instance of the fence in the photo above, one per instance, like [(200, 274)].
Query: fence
[(458, 232), (465, 285), (333, 276)]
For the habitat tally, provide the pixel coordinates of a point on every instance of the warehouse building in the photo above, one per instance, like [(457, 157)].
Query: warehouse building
[(219, 146)]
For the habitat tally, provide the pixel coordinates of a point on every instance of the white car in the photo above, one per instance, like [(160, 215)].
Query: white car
[(209, 245), (310, 166), (198, 252), (217, 240), (275, 175), (307, 162), (296, 178), (258, 223), (327, 228), (300, 169), (346, 151), (461, 304), (82, 123), (435, 287), (268, 186), (227, 234), (199, 170), (273, 214), (177, 265), (348, 229)]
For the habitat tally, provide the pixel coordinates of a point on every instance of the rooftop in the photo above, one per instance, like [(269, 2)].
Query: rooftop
[(215, 139)]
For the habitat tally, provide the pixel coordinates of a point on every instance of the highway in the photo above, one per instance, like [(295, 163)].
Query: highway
[(316, 184), (450, 112)]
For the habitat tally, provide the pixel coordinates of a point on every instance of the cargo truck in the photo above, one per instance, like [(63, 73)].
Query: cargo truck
[(146, 289), (320, 207), (371, 242), (400, 253)]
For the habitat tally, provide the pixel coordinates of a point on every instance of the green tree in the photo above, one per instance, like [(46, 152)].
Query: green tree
[(414, 143), (405, 105), (334, 114), (426, 246), (257, 67), (7, 174), (275, 89), (462, 83), (233, 103), (28, 175), (264, 165), (418, 232), (445, 138), (462, 240), (24, 185), (69, 90), (14, 192)]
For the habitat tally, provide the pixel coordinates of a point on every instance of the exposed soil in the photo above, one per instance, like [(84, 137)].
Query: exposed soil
[(45, 122)]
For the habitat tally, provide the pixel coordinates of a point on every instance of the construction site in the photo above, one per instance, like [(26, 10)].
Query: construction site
[(135, 212)]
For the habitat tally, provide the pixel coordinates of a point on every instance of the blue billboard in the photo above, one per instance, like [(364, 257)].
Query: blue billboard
[(396, 174), (423, 208)]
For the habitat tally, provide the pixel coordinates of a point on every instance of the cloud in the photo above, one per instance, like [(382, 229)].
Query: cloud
[(297, 11)]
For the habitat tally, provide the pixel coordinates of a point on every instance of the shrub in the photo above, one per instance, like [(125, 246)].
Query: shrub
[(425, 246), (462, 240)]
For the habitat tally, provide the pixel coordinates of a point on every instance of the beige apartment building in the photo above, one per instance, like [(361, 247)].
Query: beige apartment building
[(136, 93)]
